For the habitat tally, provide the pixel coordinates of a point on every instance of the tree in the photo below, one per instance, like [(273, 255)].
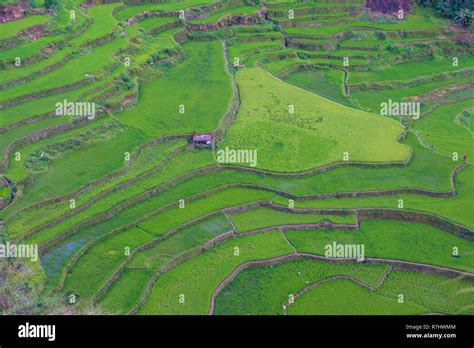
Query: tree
[(464, 17), (32, 3)]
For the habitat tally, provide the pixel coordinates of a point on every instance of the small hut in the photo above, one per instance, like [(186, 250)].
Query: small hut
[(203, 140)]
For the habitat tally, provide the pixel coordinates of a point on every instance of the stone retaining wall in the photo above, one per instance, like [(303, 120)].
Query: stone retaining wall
[(228, 21)]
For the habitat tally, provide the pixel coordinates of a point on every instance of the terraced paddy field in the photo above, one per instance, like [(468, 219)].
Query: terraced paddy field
[(237, 157)]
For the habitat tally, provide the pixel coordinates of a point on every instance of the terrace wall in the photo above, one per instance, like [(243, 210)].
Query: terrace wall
[(228, 21)]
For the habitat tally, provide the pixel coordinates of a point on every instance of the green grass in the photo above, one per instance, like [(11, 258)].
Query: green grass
[(441, 128), (276, 64), (73, 71), (185, 240), (131, 11), (80, 167), (176, 216), (264, 290), (153, 22), (323, 20), (314, 16), (243, 49), (343, 297), (20, 132), (197, 278), (118, 196), (362, 43), (353, 54), (162, 44), (413, 22), (438, 294), (418, 175), (10, 29), (120, 298), (456, 209), (422, 294), (409, 70), (100, 261), (30, 48), (344, 179), (199, 77), (372, 101), (407, 241), (103, 23), (294, 142), (26, 70), (125, 292), (4, 191), (264, 217), (325, 82), (148, 158)]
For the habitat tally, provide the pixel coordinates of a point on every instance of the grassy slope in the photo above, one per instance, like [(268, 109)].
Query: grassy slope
[(29, 49), (293, 142), (121, 296), (10, 29), (103, 23), (264, 290), (344, 297), (327, 83), (423, 294), (401, 240), (200, 77), (197, 278), (262, 217), (73, 71)]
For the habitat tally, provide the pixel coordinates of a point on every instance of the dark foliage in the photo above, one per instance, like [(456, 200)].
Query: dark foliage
[(388, 6), (448, 8)]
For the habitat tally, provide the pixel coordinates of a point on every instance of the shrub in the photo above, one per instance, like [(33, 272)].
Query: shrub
[(348, 34), (302, 55), (125, 78), (51, 4), (408, 51), (392, 48), (380, 35)]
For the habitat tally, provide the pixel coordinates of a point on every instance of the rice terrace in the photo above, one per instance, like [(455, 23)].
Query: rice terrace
[(236, 157)]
